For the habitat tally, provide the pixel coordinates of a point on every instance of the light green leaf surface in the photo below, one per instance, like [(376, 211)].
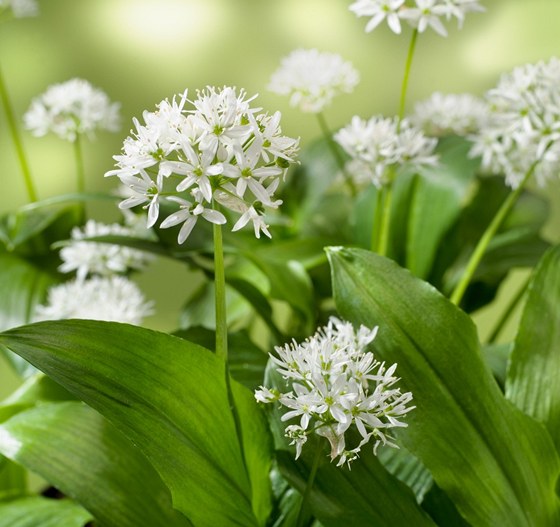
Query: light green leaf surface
[(83, 455), (22, 287), (534, 372), (169, 397), (498, 465), (13, 480), (42, 512)]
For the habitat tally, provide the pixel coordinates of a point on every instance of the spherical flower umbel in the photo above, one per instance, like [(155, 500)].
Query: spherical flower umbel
[(377, 146), (98, 258), (19, 8), (522, 133), (312, 79), (114, 299), (334, 385), (420, 14), (219, 154), (450, 114), (72, 108)]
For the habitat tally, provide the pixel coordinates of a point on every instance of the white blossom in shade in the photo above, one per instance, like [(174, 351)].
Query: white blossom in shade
[(420, 14), (336, 385), (216, 152), (377, 146), (20, 8), (522, 133), (72, 108), (98, 258), (113, 298), (312, 79), (450, 114)]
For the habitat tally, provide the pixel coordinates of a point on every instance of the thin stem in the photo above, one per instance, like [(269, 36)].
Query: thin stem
[(80, 169), (404, 86), (385, 221), (336, 153), (487, 236), (309, 486), (508, 312), (12, 124), (220, 289), (376, 227)]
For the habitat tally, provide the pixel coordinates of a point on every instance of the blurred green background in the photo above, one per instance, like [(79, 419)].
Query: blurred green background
[(142, 51)]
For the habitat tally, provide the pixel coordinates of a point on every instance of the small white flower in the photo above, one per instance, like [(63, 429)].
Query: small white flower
[(114, 298), (312, 79), (71, 108), (105, 259), (20, 8), (379, 10), (337, 384), (446, 114)]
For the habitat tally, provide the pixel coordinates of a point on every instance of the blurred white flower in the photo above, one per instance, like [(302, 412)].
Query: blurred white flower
[(71, 108), (380, 144), (523, 128), (336, 384), (113, 298), (312, 79), (420, 14), (98, 258), (220, 152), (450, 114), (20, 8)]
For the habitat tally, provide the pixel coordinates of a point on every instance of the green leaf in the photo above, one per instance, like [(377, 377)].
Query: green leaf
[(74, 448), (13, 480), (497, 465), (532, 378), (169, 397), (42, 512), (23, 286), (437, 201)]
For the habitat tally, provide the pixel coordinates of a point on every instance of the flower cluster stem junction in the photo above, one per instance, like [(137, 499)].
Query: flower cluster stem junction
[(31, 192)]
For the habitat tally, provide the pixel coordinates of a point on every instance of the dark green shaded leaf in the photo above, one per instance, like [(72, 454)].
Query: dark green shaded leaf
[(532, 379), (42, 512), (169, 397), (13, 480), (498, 465)]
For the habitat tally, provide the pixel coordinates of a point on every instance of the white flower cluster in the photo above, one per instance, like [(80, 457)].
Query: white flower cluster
[(220, 153), (379, 145), (450, 114), (105, 259), (20, 8), (71, 108), (420, 14), (113, 298), (524, 124), (337, 384), (312, 79)]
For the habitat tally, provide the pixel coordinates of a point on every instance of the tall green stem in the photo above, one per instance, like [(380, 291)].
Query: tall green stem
[(376, 227), (220, 288), (12, 124), (309, 486), (487, 236), (384, 229), (80, 169), (336, 153), (404, 86)]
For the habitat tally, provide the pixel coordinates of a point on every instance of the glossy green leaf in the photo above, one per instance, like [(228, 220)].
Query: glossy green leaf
[(42, 512), (74, 448), (169, 397), (436, 203), (22, 287), (533, 374), (498, 465)]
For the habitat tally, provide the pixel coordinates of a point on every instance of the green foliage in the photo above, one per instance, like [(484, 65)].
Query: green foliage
[(42, 512)]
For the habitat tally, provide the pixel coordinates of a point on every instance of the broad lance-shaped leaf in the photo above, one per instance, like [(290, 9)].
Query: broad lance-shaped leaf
[(42, 512), (169, 397), (534, 370), (82, 454), (496, 464), (22, 287)]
